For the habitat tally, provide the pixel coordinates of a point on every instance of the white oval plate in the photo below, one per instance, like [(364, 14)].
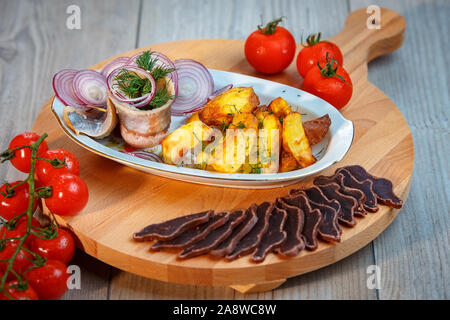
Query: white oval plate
[(329, 151)]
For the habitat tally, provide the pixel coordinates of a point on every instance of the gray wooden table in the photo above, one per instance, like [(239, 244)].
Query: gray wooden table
[(412, 254)]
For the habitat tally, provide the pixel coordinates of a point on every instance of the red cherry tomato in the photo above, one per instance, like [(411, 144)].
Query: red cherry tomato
[(60, 248), (19, 292), (22, 157), (50, 280), (15, 204), (271, 49), (19, 230), (45, 170), (316, 51), (331, 83), (22, 261), (69, 195)]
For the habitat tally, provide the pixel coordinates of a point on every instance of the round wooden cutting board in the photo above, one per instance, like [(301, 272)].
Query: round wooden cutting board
[(123, 200)]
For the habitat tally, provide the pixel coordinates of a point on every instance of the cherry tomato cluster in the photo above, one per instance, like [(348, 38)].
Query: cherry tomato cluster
[(271, 49), (33, 259)]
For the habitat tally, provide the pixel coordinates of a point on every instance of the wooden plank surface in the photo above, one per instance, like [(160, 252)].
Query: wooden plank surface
[(412, 253)]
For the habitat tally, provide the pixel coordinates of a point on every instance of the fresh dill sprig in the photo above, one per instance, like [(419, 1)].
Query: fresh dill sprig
[(146, 62), (131, 84), (162, 96)]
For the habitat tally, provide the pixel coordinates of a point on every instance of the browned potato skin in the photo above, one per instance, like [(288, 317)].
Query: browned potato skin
[(220, 110), (271, 122), (280, 108), (295, 141), (193, 117), (287, 162), (244, 121), (316, 129)]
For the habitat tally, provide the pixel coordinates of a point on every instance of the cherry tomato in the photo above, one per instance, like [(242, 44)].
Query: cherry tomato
[(271, 49), (45, 170), (22, 261), (19, 292), (15, 204), (69, 195), (19, 230), (331, 83), (316, 51), (50, 280), (22, 157), (60, 248)]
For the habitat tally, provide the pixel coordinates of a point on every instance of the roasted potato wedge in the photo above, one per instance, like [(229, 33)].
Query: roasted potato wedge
[(220, 111), (316, 129), (244, 121), (178, 146), (221, 162), (295, 141), (270, 141), (193, 117), (280, 107), (287, 162)]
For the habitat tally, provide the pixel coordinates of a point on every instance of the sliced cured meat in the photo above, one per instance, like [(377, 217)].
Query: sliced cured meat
[(253, 238), (366, 186), (329, 229), (358, 195), (169, 229), (312, 219), (315, 194), (227, 246), (274, 236), (214, 237), (382, 187), (348, 204), (293, 227), (193, 235)]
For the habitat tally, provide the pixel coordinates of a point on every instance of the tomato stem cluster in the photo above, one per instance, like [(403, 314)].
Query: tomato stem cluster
[(270, 27), (33, 194)]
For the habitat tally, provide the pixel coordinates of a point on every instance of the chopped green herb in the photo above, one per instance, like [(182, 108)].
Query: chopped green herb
[(146, 62), (131, 84)]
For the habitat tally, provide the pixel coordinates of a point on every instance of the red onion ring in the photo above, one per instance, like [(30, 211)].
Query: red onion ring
[(220, 91), (195, 85), (90, 87), (62, 85), (162, 60), (114, 64), (135, 102), (144, 155)]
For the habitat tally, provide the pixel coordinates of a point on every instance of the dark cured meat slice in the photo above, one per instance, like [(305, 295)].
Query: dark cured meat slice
[(191, 236), (293, 227), (383, 188), (312, 219), (348, 204), (316, 195), (252, 239), (169, 229), (273, 237), (365, 186), (356, 194), (329, 229), (227, 246), (214, 237)]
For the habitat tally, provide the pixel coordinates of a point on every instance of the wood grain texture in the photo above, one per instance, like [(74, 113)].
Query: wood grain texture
[(413, 253), (132, 200)]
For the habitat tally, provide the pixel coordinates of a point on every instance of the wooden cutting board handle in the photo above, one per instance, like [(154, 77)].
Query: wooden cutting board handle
[(361, 42)]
